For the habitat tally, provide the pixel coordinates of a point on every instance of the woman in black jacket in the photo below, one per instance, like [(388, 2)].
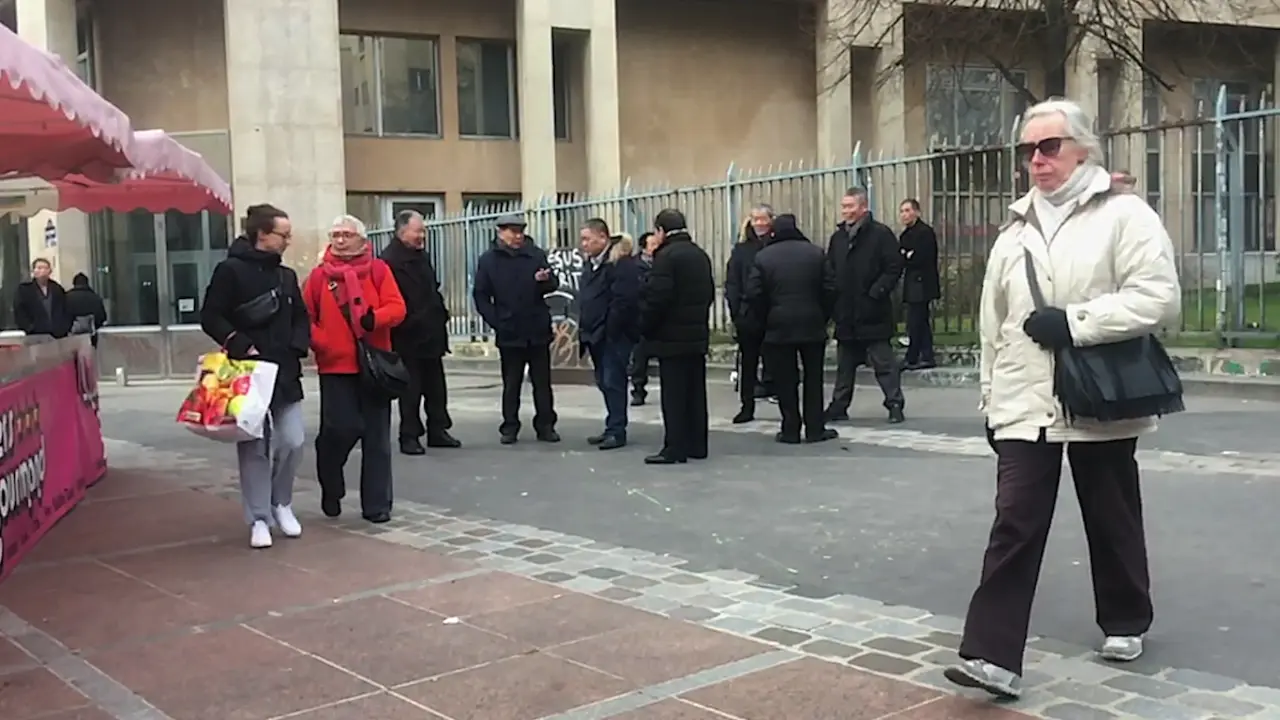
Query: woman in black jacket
[(755, 233), (253, 308)]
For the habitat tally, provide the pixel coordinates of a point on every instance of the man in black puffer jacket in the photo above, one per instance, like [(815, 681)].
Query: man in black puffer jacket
[(253, 308), (867, 262), (675, 324), (790, 296)]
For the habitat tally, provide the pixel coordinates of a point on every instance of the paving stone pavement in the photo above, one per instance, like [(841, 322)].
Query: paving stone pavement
[(1252, 464), (1062, 681)]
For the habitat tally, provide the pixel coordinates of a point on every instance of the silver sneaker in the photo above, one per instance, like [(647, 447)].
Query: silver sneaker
[(985, 676), (1121, 649)]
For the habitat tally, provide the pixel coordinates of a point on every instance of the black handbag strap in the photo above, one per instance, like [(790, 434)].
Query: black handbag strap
[(1037, 295), (344, 308)]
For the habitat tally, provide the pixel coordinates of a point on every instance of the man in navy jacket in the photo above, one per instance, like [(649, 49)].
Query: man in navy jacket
[(608, 322), (511, 283)]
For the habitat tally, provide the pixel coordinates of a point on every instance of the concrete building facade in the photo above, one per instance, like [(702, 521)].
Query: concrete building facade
[(371, 106)]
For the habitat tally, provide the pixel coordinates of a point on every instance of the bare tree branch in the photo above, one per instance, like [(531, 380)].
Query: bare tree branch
[(1047, 35)]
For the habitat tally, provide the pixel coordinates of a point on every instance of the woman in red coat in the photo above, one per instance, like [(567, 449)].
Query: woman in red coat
[(352, 295)]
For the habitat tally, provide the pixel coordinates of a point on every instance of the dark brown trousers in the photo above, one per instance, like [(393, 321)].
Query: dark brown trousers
[(1027, 475)]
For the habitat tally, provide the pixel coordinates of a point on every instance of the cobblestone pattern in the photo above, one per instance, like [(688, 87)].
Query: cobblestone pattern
[(1062, 681), (914, 440)]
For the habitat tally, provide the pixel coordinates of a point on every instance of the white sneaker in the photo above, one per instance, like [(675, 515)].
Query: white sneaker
[(287, 521), (1121, 649), (260, 535), (983, 675)]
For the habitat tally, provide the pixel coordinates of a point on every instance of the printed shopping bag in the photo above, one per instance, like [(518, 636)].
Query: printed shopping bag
[(231, 399)]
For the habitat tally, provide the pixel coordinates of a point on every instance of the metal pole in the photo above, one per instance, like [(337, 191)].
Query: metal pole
[(1220, 206)]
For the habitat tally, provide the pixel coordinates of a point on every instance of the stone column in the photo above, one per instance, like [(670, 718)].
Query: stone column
[(284, 101), (51, 26), (1129, 148), (834, 27), (1082, 79), (537, 101), (604, 151)]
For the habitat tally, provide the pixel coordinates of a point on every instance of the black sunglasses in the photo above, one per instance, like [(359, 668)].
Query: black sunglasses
[(1048, 147)]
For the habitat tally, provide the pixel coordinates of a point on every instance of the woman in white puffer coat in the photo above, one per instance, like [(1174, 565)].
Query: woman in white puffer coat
[(1106, 267)]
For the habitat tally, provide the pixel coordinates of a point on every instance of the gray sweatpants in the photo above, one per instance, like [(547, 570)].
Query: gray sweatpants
[(268, 466)]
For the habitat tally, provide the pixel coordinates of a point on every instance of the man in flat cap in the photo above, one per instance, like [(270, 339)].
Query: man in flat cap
[(512, 279)]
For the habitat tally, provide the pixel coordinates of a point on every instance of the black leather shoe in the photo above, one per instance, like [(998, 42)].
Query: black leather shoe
[(549, 436), (411, 446), (695, 456), (660, 459), (331, 507), (825, 435), (833, 416), (896, 416), (744, 416), (611, 442), (787, 439), (597, 439), (378, 518), (508, 438), (443, 440), (637, 399)]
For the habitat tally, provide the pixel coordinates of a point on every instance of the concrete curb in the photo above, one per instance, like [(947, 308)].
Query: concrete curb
[(1195, 384)]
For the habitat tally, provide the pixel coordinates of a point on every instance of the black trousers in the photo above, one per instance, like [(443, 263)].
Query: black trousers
[(879, 355), (685, 423), (919, 333), (799, 393), (429, 392), (639, 370), (349, 414), (514, 361), (1106, 481), (752, 378)]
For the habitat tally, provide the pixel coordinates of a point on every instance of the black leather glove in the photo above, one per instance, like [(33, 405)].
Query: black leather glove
[(366, 321), (1049, 328)]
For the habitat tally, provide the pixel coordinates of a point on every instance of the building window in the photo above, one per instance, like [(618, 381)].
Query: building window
[(971, 107), (1250, 165), (1152, 110), (486, 89), (561, 53), (85, 68), (491, 204), (390, 85)]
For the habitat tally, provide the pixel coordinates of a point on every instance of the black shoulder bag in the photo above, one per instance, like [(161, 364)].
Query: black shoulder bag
[(259, 311), (1124, 380), (382, 372)]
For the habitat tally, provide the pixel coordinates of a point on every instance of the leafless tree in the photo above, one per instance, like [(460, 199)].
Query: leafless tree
[(1043, 33)]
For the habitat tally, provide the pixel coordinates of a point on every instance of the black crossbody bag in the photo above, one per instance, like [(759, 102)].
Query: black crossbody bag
[(382, 372), (1123, 380)]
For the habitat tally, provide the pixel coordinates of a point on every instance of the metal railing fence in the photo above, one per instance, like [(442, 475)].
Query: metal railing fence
[(1212, 179)]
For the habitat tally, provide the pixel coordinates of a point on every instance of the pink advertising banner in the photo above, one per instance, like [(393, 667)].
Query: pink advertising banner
[(51, 447)]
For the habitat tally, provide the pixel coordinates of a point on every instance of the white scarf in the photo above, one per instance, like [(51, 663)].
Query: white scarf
[(1052, 208)]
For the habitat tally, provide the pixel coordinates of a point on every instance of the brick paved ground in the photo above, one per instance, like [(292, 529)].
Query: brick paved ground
[(145, 604), (540, 512)]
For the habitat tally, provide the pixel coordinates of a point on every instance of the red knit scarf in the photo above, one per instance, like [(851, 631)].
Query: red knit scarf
[(346, 277)]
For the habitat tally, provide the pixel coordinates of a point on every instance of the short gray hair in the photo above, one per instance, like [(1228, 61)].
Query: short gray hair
[(350, 221), (1079, 124), (404, 217), (765, 208), (859, 192)]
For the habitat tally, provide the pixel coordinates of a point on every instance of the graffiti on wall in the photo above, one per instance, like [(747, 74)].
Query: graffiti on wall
[(567, 264)]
